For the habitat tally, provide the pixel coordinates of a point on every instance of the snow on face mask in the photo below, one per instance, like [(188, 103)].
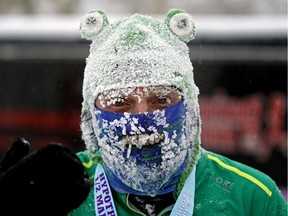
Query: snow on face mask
[(143, 153)]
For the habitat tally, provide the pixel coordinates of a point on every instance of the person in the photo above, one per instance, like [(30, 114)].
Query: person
[(141, 124)]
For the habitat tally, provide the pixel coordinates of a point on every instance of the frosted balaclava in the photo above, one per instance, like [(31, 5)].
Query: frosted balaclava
[(147, 153)]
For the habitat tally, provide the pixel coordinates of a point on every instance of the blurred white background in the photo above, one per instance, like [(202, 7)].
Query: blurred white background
[(147, 6)]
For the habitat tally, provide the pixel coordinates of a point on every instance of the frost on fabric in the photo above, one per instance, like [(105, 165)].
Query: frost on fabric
[(135, 175), (139, 52)]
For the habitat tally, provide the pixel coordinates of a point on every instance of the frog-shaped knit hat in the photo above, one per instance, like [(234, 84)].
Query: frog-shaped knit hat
[(139, 51)]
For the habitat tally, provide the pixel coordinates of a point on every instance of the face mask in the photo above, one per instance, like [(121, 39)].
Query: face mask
[(144, 153)]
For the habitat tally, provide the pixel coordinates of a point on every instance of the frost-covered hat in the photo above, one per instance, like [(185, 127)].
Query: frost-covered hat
[(139, 51)]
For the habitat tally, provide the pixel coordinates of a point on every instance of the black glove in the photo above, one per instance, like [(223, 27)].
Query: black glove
[(50, 181)]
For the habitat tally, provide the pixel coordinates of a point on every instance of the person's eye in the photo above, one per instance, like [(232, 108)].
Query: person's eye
[(163, 100)]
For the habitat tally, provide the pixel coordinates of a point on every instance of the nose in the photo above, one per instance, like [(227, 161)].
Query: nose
[(140, 107)]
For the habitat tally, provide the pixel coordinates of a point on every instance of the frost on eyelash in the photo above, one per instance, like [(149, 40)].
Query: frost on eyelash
[(112, 102)]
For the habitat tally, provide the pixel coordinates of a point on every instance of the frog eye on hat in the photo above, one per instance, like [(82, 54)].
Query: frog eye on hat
[(181, 24), (92, 24)]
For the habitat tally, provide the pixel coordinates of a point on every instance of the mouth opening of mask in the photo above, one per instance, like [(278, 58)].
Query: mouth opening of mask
[(140, 140)]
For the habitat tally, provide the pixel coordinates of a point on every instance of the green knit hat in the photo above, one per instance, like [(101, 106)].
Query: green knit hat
[(139, 51)]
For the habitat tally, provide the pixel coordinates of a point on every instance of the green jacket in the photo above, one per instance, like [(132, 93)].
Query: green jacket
[(223, 187)]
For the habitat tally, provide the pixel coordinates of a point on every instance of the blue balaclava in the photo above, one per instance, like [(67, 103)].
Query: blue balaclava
[(146, 153)]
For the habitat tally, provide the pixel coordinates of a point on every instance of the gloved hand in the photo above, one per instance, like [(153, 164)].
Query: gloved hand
[(50, 181)]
